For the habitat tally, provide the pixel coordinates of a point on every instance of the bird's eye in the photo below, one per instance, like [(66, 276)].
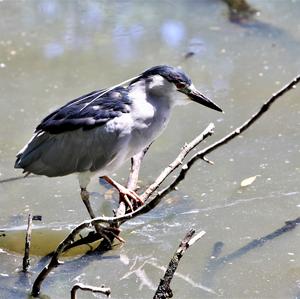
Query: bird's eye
[(180, 85)]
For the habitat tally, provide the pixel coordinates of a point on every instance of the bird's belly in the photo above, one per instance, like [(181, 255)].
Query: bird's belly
[(145, 134), (130, 145)]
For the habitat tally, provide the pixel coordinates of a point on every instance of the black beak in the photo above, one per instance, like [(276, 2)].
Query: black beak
[(197, 97)]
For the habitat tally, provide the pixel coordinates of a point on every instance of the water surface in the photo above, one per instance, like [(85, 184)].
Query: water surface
[(53, 51)]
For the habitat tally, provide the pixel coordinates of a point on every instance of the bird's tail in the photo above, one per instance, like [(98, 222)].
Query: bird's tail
[(28, 154)]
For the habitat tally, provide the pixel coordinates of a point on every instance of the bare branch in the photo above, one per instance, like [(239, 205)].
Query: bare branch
[(149, 205), (185, 278), (102, 289), (26, 259), (54, 262), (178, 161), (164, 291), (264, 108), (201, 154), (114, 222)]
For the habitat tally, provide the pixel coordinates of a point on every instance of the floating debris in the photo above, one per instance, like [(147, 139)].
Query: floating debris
[(248, 181)]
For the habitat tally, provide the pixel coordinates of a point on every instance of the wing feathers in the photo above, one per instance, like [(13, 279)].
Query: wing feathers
[(72, 116)]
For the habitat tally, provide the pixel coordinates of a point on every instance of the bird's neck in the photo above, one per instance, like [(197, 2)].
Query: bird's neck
[(159, 97), (157, 90), (161, 89)]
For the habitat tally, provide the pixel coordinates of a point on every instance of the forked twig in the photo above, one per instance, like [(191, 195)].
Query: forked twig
[(178, 161)]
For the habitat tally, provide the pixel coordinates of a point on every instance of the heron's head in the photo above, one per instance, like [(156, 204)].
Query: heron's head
[(163, 78)]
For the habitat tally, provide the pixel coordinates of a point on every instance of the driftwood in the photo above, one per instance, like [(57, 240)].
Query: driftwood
[(111, 224)]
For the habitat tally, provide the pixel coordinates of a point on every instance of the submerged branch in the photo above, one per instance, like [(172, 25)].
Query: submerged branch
[(103, 290), (26, 258), (54, 262)]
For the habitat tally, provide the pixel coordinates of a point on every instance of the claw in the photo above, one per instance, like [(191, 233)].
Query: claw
[(129, 197)]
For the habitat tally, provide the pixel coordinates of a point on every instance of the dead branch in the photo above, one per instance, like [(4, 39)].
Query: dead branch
[(102, 290), (26, 259), (115, 222), (140, 274), (54, 262), (164, 291), (178, 161), (185, 278), (201, 154), (109, 222)]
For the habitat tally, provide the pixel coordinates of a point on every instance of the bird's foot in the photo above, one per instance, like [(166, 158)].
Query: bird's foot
[(130, 198), (107, 233)]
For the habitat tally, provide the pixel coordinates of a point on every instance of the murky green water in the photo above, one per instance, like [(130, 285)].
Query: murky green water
[(52, 51)]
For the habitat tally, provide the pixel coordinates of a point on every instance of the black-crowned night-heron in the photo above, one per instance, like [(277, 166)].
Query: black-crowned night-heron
[(98, 132)]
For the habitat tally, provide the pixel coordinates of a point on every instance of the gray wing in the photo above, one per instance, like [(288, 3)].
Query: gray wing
[(72, 139), (87, 112)]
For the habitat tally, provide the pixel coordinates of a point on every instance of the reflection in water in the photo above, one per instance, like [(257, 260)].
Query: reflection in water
[(124, 42), (49, 8), (172, 32), (92, 15), (53, 50)]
